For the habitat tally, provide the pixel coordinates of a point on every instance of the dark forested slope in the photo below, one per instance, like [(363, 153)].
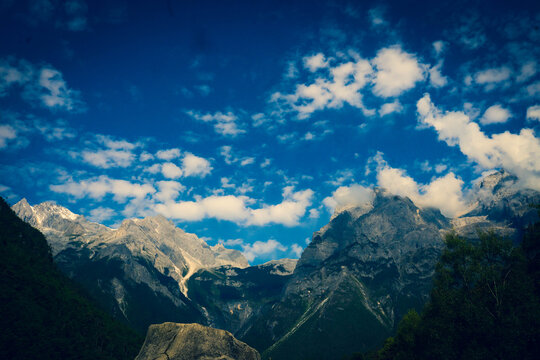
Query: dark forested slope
[(43, 315)]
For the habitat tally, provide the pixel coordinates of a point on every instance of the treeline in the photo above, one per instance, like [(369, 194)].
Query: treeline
[(485, 304), (43, 315)]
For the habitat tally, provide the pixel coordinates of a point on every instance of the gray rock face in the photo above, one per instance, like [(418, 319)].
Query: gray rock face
[(170, 341), (500, 205), (394, 245), (369, 265), (144, 264), (363, 270), (232, 297)]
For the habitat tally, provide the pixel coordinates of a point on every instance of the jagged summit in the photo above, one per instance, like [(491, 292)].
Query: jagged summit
[(150, 253)]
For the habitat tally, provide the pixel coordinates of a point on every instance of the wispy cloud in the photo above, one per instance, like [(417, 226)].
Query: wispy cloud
[(39, 85), (225, 124)]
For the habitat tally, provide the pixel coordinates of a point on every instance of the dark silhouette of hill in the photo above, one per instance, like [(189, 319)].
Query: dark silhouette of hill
[(43, 315)]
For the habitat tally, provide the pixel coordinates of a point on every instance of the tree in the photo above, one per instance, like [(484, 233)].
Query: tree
[(484, 304)]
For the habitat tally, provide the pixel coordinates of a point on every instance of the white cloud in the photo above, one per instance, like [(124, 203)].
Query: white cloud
[(297, 250), (389, 108), (266, 163), (495, 114), (262, 248), (315, 62), (40, 85), (231, 208), (118, 153), (235, 209), (397, 72), (145, 156), (439, 168), (230, 157), (97, 188), (492, 77), (193, 165), (168, 154), (338, 85), (439, 47), (436, 79), (232, 242), (108, 158), (528, 70), (288, 212), (314, 214), (54, 130), (376, 17), (7, 133), (259, 119), (345, 197), (168, 190), (444, 193), (101, 214), (517, 153), (533, 113), (247, 161), (171, 170), (224, 123)]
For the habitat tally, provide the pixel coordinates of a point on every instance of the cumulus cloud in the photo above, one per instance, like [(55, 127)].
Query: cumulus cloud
[(193, 165), (495, 114), (517, 153), (335, 87), (108, 158), (288, 212), (492, 77), (436, 79), (235, 209), (168, 190), (262, 248), (315, 62), (346, 197), (39, 85), (113, 153), (171, 170), (389, 108), (533, 113), (168, 154), (98, 187), (225, 124), (296, 250), (397, 72)]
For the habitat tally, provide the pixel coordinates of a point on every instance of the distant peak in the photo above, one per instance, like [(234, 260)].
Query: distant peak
[(493, 180)]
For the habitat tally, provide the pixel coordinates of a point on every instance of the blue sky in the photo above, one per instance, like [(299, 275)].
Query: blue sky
[(249, 123)]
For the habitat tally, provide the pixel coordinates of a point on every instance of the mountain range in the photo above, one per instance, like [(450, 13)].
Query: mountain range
[(347, 292)]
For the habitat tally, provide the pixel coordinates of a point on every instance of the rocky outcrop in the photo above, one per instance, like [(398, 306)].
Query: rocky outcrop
[(170, 341)]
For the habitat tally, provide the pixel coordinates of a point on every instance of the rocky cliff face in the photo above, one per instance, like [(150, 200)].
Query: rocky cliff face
[(232, 297), (347, 292), (370, 264), (354, 281), (170, 341), (138, 271), (499, 205)]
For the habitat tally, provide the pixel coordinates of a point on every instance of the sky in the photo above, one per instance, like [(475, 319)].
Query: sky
[(249, 123)]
